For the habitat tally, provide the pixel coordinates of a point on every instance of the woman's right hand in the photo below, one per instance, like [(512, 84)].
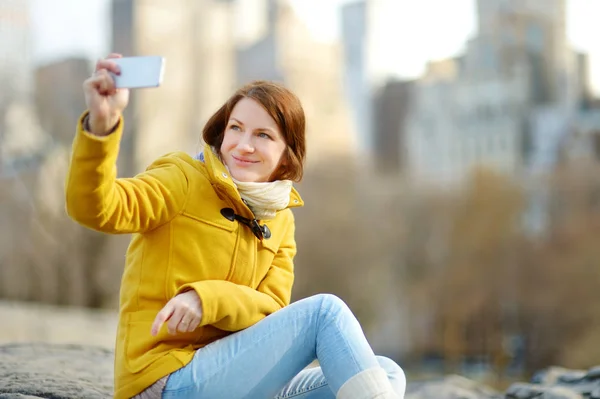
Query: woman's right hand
[(103, 100), (183, 313)]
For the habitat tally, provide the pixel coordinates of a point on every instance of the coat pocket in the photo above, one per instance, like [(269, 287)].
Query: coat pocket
[(142, 349)]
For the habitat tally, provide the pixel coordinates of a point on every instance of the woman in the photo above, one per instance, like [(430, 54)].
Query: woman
[(205, 296)]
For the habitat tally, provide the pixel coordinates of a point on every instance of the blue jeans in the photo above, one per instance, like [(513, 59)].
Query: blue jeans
[(269, 359)]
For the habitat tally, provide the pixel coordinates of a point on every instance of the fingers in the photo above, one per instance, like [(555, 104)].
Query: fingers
[(183, 312), (103, 82), (195, 323), (176, 319), (109, 65), (183, 320), (106, 83), (189, 322), (162, 316)]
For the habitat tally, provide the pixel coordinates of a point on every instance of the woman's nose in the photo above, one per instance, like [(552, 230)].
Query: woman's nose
[(245, 143)]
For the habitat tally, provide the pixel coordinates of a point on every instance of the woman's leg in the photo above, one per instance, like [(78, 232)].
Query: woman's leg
[(259, 361), (312, 384)]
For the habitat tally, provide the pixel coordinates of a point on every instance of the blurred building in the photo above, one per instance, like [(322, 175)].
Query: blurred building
[(392, 105), (258, 42), (366, 26), (514, 34), (15, 45), (59, 97), (492, 105), (23, 148), (284, 50), (197, 40), (20, 134), (356, 76), (460, 124), (557, 139), (313, 70)]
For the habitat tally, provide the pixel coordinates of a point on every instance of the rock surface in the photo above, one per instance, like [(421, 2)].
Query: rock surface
[(552, 383), (55, 371), (61, 371), (559, 383)]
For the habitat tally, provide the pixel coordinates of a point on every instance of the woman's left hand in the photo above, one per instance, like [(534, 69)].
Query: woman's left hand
[(184, 313)]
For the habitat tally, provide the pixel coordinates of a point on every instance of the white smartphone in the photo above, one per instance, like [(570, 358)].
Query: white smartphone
[(139, 72)]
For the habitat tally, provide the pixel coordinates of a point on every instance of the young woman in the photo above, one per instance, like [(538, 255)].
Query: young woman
[(205, 296)]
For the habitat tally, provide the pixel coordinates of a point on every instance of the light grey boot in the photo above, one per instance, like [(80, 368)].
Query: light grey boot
[(372, 383)]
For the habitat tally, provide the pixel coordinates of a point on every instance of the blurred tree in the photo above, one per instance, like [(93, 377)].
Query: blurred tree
[(460, 264), (48, 257), (486, 281), (561, 280), (346, 235)]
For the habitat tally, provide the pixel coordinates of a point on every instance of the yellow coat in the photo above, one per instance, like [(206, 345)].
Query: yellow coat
[(180, 240)]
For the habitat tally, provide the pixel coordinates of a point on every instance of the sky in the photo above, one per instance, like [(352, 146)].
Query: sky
[(75, 27)]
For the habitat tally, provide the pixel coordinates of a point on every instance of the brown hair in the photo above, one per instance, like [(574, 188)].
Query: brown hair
[(284, 107)]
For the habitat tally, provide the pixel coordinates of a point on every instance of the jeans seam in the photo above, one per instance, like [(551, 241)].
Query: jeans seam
[(302, 391), (176, 391)]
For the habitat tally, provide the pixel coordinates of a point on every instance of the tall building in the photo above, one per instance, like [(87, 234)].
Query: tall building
[(462, 124), (20, 133), (532, 33), (284, 50), (313, 70), (366, 27), (15, 48), (196, 38), (258, 42), (354, 17), (392, 105), (479, 108), (58, 109)]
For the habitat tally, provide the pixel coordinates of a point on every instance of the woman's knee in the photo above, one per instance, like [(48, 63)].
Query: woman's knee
[(395, 373), (325, 308), (332, 304), (323, 304)]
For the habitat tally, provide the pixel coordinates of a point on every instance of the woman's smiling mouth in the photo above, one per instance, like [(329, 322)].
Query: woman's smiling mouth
[(242, 161)]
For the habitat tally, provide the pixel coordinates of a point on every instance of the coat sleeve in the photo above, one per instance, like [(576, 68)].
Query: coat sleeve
[(97, 199), (234, 307)]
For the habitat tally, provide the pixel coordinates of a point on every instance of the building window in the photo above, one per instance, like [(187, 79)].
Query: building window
[(489, 58), (535, 37)]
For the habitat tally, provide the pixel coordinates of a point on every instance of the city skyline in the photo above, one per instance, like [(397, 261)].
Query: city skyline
[(440, 37)]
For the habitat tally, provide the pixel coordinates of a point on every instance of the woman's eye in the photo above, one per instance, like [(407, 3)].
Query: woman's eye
[(264, 135), (234, 127)]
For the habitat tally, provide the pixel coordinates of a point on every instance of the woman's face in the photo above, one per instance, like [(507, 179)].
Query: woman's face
[(252, 146)]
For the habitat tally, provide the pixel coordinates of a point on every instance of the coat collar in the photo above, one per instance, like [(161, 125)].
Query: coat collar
[(219, 175)]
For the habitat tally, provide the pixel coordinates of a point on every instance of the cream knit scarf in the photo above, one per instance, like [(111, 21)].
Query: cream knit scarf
[(265, 199)]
